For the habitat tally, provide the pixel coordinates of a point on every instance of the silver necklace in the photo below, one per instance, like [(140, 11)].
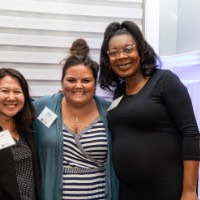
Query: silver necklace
[(76, 120)]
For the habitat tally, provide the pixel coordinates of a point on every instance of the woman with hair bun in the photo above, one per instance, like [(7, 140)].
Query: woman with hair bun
[(72, 135), (79, 47)]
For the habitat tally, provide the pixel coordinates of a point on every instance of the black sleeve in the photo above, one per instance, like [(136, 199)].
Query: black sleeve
[(180, 107)]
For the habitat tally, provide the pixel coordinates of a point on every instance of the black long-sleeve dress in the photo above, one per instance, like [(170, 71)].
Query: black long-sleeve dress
[(153, 132)]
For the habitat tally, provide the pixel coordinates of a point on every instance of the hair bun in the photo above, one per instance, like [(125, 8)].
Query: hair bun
[(79, 47)]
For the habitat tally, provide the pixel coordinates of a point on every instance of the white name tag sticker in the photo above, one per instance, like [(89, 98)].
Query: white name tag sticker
[(6, 139), (115, 103), (47, 117)]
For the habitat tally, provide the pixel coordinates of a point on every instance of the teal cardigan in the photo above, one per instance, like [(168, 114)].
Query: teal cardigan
[(49, 142)]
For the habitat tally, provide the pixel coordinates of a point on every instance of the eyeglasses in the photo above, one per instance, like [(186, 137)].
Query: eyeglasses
[(113, 53)]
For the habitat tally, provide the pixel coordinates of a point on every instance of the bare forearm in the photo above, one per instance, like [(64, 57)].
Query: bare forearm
[(190, 180)]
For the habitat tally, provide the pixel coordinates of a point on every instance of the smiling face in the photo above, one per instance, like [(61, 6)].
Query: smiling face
[(127, 63), (11, 97), (79, 85)]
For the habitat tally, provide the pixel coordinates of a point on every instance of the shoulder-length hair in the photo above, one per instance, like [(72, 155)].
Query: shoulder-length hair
[(149, 60)]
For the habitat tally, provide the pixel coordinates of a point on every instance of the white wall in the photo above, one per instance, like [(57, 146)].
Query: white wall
[(179, 26), (188, 29), (168, 27), (151, 23)]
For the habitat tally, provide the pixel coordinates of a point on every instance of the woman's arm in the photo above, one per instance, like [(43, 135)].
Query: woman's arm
[(190, 180)]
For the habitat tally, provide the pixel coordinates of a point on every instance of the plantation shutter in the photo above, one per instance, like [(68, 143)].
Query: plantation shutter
[(35, 35)]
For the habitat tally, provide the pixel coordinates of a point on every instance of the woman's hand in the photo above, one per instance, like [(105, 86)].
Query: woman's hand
[(189, 196)]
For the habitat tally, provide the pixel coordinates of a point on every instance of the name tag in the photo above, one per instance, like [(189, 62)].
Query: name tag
[(6, 140), (115, 103), (47, 117)]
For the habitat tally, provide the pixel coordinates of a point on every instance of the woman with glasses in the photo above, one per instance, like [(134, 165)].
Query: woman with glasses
[(154, 131)]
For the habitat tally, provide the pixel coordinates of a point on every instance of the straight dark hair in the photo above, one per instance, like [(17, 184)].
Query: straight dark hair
[(23, 119)]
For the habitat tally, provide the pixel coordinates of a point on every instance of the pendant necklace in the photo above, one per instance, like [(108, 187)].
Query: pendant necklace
[(76, 120)]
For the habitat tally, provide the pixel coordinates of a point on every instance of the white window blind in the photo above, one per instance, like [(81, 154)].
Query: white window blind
[(35, 35)]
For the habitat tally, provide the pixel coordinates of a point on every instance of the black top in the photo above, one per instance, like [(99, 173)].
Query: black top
[(9, 189), (154, 131)]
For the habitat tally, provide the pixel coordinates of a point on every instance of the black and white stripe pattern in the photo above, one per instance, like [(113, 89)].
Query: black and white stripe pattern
[(83, 178)]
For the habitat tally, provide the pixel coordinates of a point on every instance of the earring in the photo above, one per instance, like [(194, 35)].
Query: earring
[(109, 67)]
